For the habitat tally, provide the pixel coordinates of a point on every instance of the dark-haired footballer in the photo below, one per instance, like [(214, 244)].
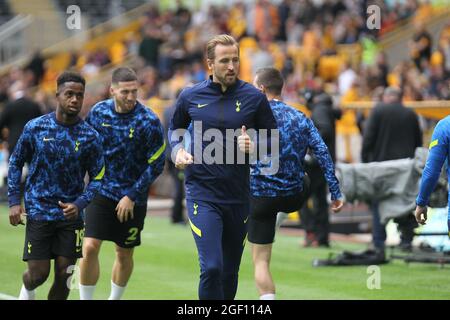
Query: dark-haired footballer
[(60, 149), (133, 142)]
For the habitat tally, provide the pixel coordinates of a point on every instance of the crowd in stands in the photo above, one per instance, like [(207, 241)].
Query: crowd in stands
[(318, 45), (99, 11)]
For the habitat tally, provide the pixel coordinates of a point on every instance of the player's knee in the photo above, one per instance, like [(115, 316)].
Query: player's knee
[(62, 273), (91, 248), (212, 271), (38, 276), (261, 261), (230, 277), (124, 255)]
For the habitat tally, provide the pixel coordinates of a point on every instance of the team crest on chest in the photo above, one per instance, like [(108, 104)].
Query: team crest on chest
[(238, 106)]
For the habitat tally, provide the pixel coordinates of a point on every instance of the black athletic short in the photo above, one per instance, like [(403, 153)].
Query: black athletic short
[(102, 223), (263, 213), (46, 240)]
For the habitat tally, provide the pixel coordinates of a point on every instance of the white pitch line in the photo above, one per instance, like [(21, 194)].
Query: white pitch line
[(7, 297)]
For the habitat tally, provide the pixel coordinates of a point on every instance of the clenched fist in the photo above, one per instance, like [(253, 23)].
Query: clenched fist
[(183, 159)]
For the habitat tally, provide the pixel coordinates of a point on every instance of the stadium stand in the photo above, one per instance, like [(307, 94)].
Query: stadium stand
[(317, 46), (100, 11), (5, 12)]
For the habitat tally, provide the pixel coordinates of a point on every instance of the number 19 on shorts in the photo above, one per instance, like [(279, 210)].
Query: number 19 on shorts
[(79, 240)]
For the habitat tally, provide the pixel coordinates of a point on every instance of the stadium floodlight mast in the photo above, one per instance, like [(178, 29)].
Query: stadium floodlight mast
[(214, 152)]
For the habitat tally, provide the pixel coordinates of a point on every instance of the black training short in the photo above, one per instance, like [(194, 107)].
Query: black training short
[(263, 213), (46, 240), (102, 223)]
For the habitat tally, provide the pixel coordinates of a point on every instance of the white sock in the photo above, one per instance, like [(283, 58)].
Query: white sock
[(87, 292), (26, 294), (267, 296), (116, 292)]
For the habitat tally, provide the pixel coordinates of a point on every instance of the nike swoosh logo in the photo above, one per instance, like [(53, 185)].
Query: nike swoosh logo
[(201, 105), (106, 125), (245, 221), (78, 250), (49, 139)]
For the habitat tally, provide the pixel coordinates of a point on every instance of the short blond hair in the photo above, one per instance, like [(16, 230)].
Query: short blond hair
[(223, 39)]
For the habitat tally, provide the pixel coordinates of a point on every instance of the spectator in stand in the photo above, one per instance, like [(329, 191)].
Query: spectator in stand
[(420, 46), (149, 47)]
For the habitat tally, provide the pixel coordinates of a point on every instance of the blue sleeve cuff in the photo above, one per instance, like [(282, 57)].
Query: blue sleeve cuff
[(132, 194), (81, 204), (421, 202), (14, 200), (175, 144), (336, 196)]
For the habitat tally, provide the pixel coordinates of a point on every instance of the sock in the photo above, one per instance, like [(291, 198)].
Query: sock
[(86, 292), (116, 292), (267, 296), (26, 294)]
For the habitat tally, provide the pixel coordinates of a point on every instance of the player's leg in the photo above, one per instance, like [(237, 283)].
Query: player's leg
[(66, 248), (37, 254), (64, 268), (322, 223), (233, 242), (89, 268), (89, 264), (100, 215), (261, 234), (121, 272), (308, 209), (206, 223), (36, 274), (261, 255), (378, 229), (297, 204), (126, 235)]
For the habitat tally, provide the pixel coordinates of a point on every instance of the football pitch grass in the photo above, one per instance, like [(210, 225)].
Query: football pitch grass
[(166, 268)]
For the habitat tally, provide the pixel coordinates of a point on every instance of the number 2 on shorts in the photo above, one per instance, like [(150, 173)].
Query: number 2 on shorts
[(133, 235)]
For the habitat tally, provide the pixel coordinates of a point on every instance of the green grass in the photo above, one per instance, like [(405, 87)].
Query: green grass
[(166, 267)]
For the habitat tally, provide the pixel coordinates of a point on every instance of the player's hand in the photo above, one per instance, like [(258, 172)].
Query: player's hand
[(15, 215), (183, 159), (336, 205), (125, 209), (70, 210), (421, 214), (244, 142)]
